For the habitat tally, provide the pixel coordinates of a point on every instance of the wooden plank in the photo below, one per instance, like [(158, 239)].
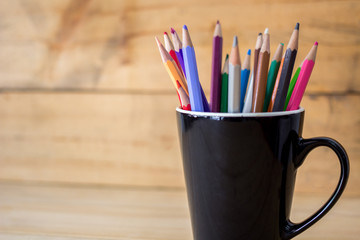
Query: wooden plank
[(132, 139), (58, 212), (110, 44)]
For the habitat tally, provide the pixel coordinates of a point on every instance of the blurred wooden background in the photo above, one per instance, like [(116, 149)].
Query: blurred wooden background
[(85, 100)]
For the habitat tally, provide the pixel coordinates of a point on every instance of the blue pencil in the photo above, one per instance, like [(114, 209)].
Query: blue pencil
[(195, 93), (245, 73)]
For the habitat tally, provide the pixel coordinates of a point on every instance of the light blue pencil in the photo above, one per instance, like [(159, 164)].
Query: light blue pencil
[(192, 73), (245, 73)]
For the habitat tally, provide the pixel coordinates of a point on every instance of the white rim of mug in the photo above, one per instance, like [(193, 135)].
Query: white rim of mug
[(262, 114)]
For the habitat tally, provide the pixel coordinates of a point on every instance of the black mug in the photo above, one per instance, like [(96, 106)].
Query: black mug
[(240, 172)]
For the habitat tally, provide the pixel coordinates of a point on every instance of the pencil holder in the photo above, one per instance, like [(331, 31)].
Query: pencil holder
[(240, 172)]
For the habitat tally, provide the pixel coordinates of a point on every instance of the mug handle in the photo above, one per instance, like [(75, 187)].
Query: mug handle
[(304, 146)]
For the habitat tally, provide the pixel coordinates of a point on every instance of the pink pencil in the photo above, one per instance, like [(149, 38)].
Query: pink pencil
[(303, 79)]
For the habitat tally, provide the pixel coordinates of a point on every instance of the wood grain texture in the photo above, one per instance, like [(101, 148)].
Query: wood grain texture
[(58, 212), (131, 139), (94, 44)]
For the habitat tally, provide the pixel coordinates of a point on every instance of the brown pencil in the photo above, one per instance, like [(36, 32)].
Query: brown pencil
[(261, 75), (259, 42)]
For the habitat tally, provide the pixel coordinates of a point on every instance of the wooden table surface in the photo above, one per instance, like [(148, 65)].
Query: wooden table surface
[(44, 211)]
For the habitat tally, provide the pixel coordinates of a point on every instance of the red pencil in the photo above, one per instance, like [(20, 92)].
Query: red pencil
[(170, 48), (183, 97)]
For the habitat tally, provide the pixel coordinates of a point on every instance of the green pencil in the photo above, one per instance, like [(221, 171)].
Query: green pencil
[(224, 85), (291, 86), (273, 71)]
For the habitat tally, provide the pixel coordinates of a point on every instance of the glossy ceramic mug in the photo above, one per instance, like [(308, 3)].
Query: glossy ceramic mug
[(240, 172)]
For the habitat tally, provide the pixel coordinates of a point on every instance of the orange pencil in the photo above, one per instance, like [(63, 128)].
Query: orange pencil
[(171, 67)]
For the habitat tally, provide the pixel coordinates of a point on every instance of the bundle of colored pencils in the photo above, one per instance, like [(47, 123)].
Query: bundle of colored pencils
[(269, 89)]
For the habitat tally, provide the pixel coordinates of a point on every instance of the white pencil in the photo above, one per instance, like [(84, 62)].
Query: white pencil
[(234, 78)]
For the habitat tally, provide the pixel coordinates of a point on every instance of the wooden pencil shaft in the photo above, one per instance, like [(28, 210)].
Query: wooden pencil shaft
[(215, 90), (224, 92), (261, 74), (184, 99), (284, 80), (248, 95), (171, 67), (245, 73), (273, 95), (303, 79), (174, 57), (234, 88), (204, 100), (175, 75), (193, 79), (301, 84), (260, 82), (181, 61), (256, 61), (195, 90), (291, 87), (273, 71)]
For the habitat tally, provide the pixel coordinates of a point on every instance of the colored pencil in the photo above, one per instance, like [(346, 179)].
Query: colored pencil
[(261, 75), (170, 48), (303, 79), (292, 85), (273, 94), (178, 48), (192, 75), (249, 90), (215, 90), (183, 97), (224, 85), (245, 73), (248, 95), (259, 42), (234, 78), (278, 97), (171, 67), (273, 71), (206, 105)]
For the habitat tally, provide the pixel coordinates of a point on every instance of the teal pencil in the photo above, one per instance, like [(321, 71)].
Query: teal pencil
[(273, 72)]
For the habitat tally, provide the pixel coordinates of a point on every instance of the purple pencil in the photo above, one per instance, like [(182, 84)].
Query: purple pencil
[(178, 49), (215, 91)]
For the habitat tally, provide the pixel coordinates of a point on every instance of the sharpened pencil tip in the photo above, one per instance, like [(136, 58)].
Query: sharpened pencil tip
[(165, 33), (185, 27), (316, 43), (235, 42), (227, 56), (266, 31), (260, 34), (217, 22), (249, 52), (297, 26), (172, 30), (282, 43)]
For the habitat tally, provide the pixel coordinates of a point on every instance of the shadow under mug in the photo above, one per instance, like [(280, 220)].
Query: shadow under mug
[(240, 172)]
